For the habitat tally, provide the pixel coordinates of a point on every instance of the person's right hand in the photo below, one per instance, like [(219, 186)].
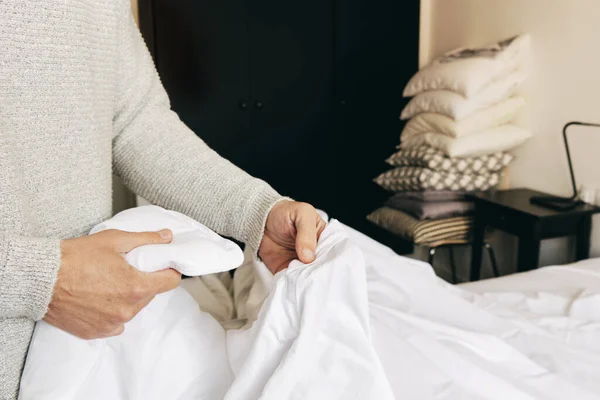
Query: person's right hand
[(97, 292)]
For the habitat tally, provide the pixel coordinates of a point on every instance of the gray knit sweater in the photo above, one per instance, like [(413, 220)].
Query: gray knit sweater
[(80, 99)]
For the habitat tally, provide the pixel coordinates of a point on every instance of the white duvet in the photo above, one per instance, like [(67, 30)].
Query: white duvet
[(358, 323)]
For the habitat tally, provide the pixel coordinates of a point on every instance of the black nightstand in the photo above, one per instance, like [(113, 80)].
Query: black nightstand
[(512, 212)]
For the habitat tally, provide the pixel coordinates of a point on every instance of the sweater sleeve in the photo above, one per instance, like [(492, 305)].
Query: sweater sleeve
[(28, 270), (162, 160)]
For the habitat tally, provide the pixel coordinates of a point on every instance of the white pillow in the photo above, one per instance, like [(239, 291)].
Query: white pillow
[(457, 107), (195, 250), (502, 138), (466, 71), (491, 117)]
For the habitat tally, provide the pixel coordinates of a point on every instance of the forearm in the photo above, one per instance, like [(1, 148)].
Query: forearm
[(160, 159), (28, 271)]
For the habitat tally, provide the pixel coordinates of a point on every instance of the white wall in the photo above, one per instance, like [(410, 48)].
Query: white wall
[(565, 84)]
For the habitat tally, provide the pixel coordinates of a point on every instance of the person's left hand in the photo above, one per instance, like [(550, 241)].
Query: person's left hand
[(291, 233)]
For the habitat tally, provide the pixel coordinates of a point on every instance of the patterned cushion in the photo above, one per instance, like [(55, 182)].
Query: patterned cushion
[(415, 178), (428, 157), (427, 232)]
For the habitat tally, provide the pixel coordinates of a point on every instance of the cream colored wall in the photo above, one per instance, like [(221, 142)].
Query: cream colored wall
[(134, 8), (565, 84)]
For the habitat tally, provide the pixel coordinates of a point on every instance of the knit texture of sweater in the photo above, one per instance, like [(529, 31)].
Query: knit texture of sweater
[(80, 99)]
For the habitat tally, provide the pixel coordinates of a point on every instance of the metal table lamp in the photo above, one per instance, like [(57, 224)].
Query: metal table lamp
[(563, 203)]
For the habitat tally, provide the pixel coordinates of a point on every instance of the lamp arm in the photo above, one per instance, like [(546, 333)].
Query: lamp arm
[(569, 153)]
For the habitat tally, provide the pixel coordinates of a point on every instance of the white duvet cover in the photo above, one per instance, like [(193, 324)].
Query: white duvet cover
[(438, 341), (358, 323)]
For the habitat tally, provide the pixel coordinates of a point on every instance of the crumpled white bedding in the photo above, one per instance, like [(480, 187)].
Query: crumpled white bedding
[(312, 338), (358, 323)]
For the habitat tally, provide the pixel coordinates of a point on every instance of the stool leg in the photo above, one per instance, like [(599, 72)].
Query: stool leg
[(493, 261), (431, 255), (452, 264)]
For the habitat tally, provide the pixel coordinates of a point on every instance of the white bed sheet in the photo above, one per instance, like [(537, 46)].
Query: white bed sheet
[(571, 277)]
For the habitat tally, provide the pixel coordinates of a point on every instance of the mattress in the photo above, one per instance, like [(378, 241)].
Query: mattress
[(583, 275)]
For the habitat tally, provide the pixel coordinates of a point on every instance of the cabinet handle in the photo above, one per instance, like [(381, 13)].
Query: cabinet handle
[(243, 104), (258, 105)]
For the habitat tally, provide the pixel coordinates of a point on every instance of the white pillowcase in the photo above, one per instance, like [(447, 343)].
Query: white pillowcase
[(491, 117), (466, 71), (457, 107), (502, 138)]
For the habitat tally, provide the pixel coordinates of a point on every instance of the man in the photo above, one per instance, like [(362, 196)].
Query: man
[(79, 100)]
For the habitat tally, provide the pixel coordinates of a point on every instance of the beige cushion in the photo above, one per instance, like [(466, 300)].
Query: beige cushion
[(500, 139), (499, 114), (427, 232)]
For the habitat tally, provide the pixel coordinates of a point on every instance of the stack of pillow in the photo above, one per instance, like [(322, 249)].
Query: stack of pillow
[(458, 132)]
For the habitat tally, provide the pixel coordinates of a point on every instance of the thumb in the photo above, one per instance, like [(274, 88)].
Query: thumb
[(163, 281), (306, 234), (124, 242)]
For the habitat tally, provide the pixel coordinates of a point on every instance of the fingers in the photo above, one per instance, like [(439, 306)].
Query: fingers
[(162, 281), (116, 332), (124, 242), (306, 233), (321, 224)]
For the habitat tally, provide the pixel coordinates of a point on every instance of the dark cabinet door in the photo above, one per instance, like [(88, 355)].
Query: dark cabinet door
[(305, 95), (291, 67), (375, 55), (201, 49)]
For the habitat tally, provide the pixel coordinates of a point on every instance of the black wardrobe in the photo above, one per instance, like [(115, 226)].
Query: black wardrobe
[(303, 94)]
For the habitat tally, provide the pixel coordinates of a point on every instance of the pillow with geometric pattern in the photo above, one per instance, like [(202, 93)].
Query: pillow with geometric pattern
[(404, 179), (431, 158)]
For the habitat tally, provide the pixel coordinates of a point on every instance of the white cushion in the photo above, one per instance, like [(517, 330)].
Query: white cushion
[(457, 107), (502, 138), (467, 70), (491, 117)]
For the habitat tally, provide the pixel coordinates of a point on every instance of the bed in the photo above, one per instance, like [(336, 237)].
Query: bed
[(360, 322)]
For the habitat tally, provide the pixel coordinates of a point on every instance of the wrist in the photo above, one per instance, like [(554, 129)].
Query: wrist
[(255, 226)]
